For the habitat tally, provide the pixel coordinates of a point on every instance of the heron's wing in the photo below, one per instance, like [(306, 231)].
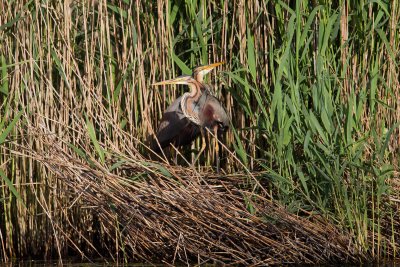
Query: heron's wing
[(172, 123), (187, 135), (212, 111), (220, 111)]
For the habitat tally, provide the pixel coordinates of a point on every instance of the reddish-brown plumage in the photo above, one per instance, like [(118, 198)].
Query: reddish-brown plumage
[(189, 114), (176, 129)]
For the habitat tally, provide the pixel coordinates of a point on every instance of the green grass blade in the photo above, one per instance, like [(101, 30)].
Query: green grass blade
[(184, 68), (387, 140), (239, 148), (81, 153), (117, 165), (11, 187), (92, 135), (60, 67), (9, 128), (251, 55), (316, 125), (387, 44), (303, 182), (161, 169), (4, 76)]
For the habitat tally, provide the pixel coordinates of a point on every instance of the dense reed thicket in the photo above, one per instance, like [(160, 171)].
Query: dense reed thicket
[(312, 88)]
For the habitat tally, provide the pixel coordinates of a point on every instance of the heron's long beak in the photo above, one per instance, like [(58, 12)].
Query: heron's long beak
[(210, 66), (199, 72), (184, 79)]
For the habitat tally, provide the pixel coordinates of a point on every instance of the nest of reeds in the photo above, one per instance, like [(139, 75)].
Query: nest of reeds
[(155, 212)]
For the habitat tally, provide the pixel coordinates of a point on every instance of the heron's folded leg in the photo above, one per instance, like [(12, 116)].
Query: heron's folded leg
[(203, 145), (176, 157), (216, 147)]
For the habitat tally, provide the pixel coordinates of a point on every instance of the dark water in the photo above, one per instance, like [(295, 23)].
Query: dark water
[(69, 264), (104, 263)]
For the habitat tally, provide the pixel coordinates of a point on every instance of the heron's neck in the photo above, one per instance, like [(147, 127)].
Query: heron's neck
[(199, 77), (195, 92), (189, 101)]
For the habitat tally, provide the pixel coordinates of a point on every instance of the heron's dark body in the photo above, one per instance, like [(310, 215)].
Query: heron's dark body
[(174, 128), (178, 130)]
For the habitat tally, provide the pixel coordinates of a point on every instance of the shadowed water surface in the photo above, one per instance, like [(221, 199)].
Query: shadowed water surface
[(103, 263), (67, 263)]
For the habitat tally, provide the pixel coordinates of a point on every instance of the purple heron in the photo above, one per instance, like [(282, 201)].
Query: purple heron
[(192, 113)]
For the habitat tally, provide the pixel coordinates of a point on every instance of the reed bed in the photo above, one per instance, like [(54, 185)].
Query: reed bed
[(312, 88)]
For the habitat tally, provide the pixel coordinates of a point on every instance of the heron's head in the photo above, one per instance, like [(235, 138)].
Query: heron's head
[(200, 71), (183, 79)]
